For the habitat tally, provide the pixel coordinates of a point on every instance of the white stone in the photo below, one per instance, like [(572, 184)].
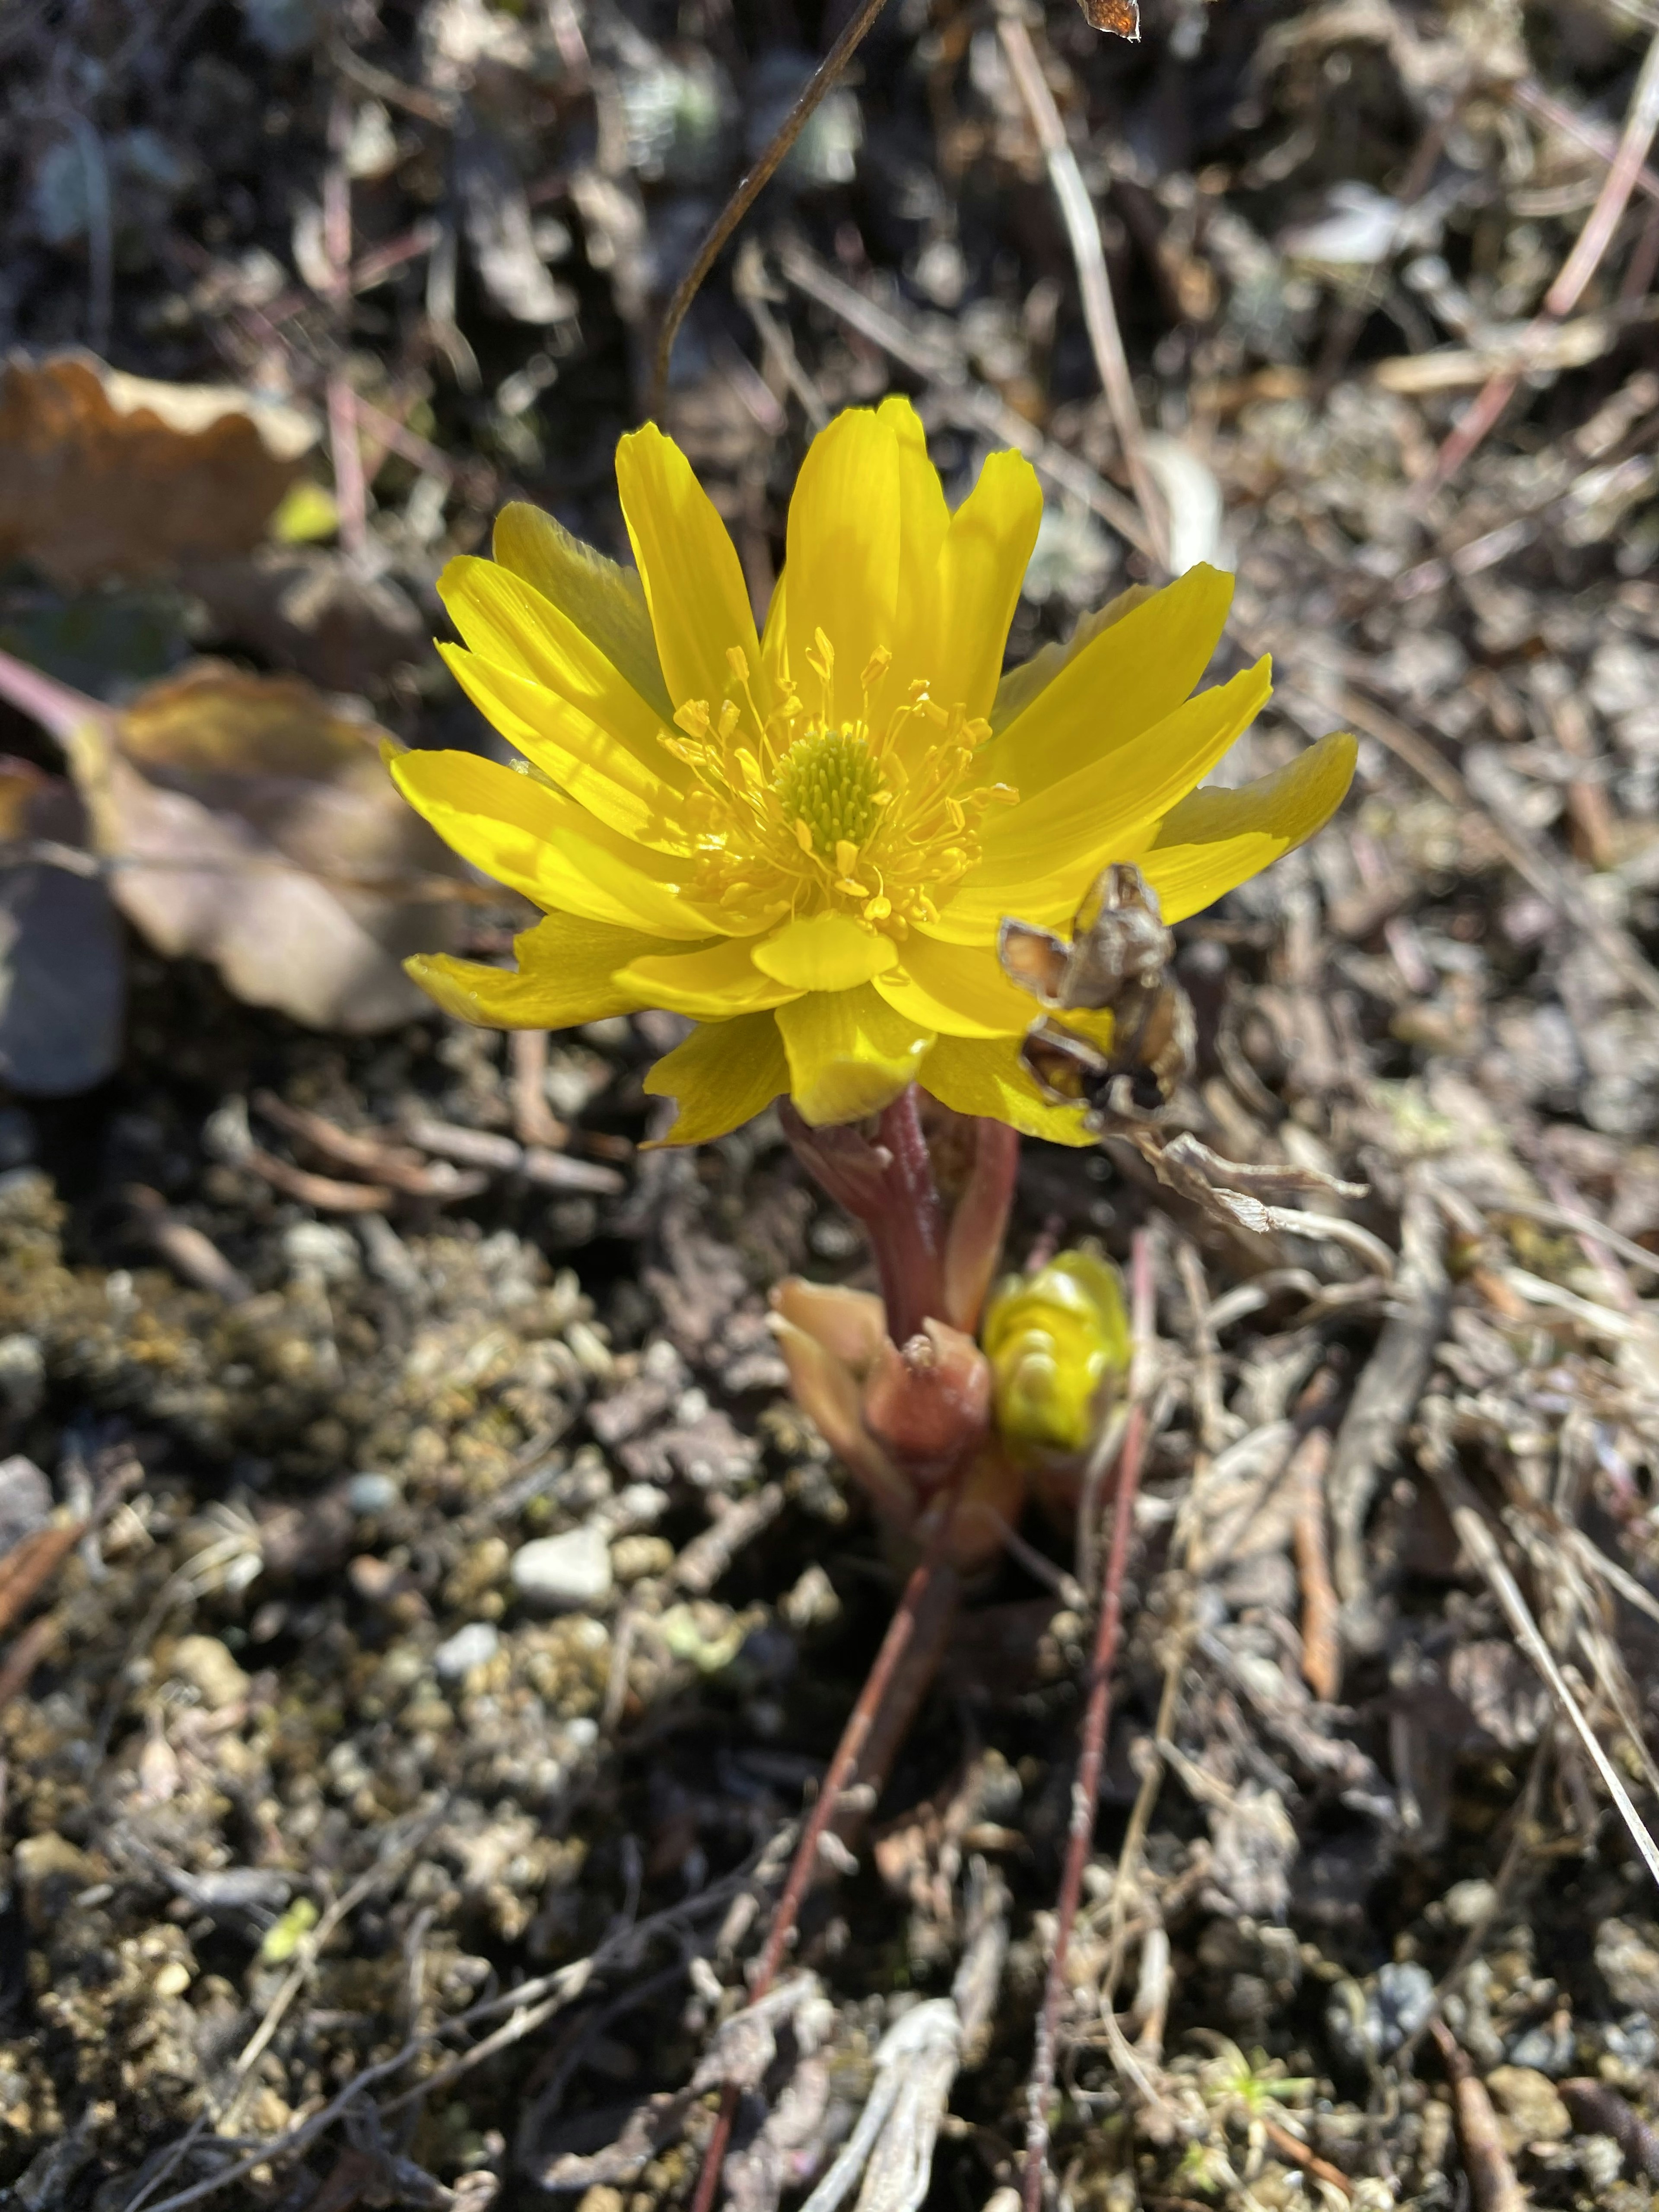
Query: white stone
[(565, 1573), (467, 1648)]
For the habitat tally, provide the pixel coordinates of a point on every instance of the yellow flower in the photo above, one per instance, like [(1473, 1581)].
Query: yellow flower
[(805, 841)]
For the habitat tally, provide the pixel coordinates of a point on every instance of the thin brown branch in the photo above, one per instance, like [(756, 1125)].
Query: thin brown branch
[(900, 1631), (1077, 212), (750, 186), (1091, 1749), (1492, 2185)]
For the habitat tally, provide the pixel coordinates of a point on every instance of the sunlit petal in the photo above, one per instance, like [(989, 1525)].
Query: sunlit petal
[(1131, 676), (567, 973), (580, 756), (850, 1053), (987, 1077), (719, 980), (830, 952), (981, 567), (603, 600), (1216, 839), (1041, 857), (723, 1075), (692, 577), (541, 843), (507, 621), (843, 550), (958, 989)]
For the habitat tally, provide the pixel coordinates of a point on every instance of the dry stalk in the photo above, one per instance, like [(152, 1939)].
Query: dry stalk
[(1322, 1649), (1387, 1394), (1091, 1750), (1479, 1539), (1492, 2185), (860, 1723), (750, 186), (1077, 212)]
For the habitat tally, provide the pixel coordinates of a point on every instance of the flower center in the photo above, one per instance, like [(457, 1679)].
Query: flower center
[(829, 781), (792, 813)]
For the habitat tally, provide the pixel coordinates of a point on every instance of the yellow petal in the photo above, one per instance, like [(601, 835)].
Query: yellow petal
[(604, 601), (828, 952), (567, 973), (1041, 855), (1019, 686), (849, 1054), (982, 568), (508, 622), (987, 1077), (1215, 839), (959, 990), (1132, 674), (723, 1075), (843, 550), (543, 844), (693, 581), (582, 759), (710, 985), (924, 525)]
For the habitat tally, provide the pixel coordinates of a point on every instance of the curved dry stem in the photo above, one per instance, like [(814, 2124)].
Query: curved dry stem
[(751, 187)]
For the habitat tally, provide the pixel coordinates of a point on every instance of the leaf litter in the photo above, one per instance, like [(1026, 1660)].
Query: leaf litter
[(345, 1868)]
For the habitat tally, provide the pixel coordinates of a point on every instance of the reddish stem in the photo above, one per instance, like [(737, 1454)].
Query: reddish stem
[(1091, 1750), (802, 1867), (889, 1187)]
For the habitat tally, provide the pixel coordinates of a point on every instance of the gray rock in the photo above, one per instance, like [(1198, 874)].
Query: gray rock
[(467, 1648), (564, 1572)]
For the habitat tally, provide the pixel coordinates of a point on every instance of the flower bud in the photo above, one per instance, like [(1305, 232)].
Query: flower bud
[(1054, 1340)]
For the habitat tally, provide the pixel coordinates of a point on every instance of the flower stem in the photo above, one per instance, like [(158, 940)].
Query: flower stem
[(889, 1187)]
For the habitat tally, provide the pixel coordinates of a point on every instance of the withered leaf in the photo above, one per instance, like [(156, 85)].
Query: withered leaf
[(246, 820), (251, 824), (106, 477)]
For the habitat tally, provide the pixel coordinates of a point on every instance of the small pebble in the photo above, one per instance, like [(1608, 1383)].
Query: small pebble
[(25, 1500), (565, 1573), (1531, 2104), (173, 1979), (468, 1647), (633, 1558), (369, 1495), (1466, 1904), (1628, 1955), (208, 1666)]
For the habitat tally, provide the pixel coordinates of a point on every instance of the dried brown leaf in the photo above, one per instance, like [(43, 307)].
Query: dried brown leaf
[(248, 822), (105, 476)]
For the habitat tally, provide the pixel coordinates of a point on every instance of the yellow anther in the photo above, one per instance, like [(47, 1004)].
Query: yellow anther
[(692, 717), (877, 908), (847, 855), (731, 715), (803, 834), (875, 668), (737, 662)]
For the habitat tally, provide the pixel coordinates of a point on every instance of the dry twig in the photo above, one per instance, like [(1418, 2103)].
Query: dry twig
[(1092, 1747)]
